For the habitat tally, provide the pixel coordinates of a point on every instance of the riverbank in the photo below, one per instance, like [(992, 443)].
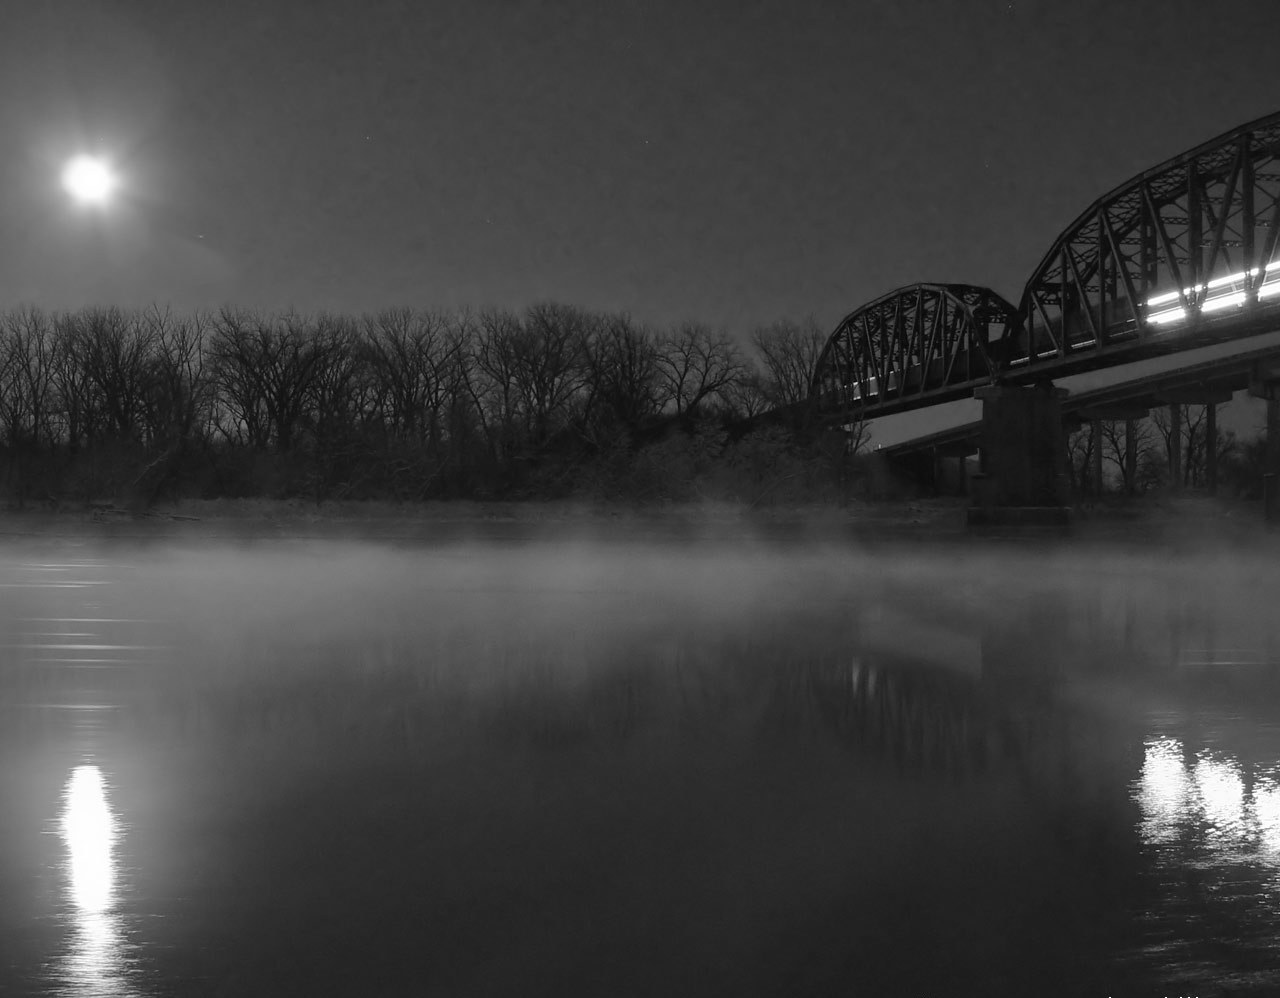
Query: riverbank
[(1185, 518)]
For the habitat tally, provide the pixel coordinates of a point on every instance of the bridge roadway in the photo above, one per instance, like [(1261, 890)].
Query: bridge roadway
[(1212, 381)]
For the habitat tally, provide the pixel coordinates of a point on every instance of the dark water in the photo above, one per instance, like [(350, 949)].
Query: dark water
[(551, 768)]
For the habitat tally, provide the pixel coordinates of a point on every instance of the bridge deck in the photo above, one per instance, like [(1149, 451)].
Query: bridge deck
[(1230, 373)]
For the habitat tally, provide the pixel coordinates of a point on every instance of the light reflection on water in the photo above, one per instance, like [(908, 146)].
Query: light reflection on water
[(1210, 799), (938, 702), (1210, 823), (97, 960), (89, 831)]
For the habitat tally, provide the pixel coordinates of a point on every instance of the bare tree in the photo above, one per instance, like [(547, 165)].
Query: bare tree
[(411, 354), (179, 396), (698, 366), (624, 381), (74, 408), (1115, 448), (551, 366), (489, 378), (26, 378), (26, 395), (335, 385), (788, 353), (113, 350), (1191, 453), (265, 368), (747, 396), (1080, 447)]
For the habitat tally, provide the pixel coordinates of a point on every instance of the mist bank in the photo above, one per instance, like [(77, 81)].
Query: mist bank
[(1191, 519), (588, 752)]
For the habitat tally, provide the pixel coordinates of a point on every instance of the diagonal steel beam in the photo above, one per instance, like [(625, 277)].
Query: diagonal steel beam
[(1170, 258), (1122, 262), (1084, 297), (1220, 227)]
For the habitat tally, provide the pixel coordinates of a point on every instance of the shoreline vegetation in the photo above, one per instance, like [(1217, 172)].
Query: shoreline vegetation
[(552, 403), (145, 409)]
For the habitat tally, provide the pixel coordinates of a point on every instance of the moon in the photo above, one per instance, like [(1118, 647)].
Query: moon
[(89, 180)]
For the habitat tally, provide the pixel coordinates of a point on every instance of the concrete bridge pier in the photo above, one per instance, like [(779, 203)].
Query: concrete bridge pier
[(1264, 383), (1211, 447), (1175, 446), (1271, 475), (1130, 456), (951, 468), (1095, 441), (1022, 458)]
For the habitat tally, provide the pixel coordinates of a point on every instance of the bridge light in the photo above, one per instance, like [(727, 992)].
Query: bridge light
[(1217, 282), (1226, 301), (1271, 286), (1169, 315), (1162, 299), (1216, 302)]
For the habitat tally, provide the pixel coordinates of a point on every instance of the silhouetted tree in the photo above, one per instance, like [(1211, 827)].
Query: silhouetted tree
[(410, 360), (264, 367), (26, 379), (625, 387), (1115, 448), (489, 378), (698, 366), (26, 396), (788, 353), (113, 352), (1162, 422), (178, 397), (399, 403), (552, 367), (1080, 445)]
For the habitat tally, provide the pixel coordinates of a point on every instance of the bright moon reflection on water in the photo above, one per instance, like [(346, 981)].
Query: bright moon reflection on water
[(96, 963), (88, 829)]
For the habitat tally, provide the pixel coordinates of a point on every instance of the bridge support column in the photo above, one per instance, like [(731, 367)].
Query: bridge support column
[(1130, 456), (1211, 448), (1095, 435), (1023, 458), (1264, 383), (1271, 474), (1175, 446)]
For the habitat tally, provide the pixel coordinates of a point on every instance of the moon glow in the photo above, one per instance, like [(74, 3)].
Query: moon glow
[(89, 180)]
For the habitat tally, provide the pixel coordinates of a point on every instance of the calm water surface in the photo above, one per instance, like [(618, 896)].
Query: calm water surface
[(543, 767)]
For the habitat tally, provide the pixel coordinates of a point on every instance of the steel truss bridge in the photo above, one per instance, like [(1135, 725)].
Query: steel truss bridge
[(1178, 257)]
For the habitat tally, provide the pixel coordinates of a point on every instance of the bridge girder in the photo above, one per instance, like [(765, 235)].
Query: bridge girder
[(1180, 255), (919, 344)]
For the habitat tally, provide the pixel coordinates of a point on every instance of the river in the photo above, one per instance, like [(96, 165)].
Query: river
[(535, 765)]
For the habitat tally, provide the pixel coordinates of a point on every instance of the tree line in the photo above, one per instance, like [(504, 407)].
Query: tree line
[(1239, 469), (554, 400)]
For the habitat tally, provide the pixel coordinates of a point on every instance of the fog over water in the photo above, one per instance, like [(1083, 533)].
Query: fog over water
[(655, 763)]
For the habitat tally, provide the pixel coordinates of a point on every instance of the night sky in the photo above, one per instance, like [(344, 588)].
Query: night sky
[(728, 162)]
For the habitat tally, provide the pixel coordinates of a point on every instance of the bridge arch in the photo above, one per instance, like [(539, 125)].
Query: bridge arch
[(1167, 260), (918, 344)]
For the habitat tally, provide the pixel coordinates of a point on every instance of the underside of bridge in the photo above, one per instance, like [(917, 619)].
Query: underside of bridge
[(1180, 256)]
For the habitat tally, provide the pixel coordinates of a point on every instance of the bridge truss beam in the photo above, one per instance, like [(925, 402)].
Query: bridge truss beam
[(917, 345), (1181, 255)]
